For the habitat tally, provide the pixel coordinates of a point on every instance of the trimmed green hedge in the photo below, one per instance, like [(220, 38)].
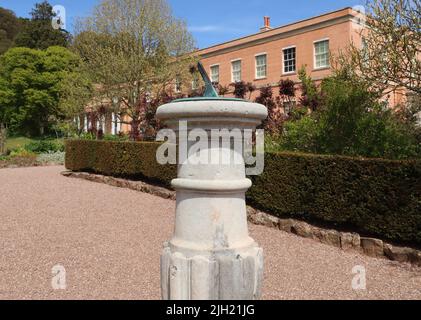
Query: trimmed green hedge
[(134, 160), (372, 196)]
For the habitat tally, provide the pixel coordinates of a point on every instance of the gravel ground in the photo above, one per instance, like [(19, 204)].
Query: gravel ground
[(109, 241)]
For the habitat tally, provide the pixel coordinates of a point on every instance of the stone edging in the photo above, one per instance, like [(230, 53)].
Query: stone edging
[(123, 183), (346, 241)]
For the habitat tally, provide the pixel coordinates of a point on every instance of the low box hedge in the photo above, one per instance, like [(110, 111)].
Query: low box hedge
[(371, 196), (133, 160)]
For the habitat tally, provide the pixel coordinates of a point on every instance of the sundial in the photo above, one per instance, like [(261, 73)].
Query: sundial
[(210, 92), (211, 255)]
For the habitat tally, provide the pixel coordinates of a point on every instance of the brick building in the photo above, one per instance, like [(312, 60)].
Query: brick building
[(273, 54), (278, 53)]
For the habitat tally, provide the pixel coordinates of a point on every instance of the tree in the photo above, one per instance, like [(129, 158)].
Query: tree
[(135, 49), (250, 88), (38, 33), (287, 95), (241, 89), (30, 85), (389, 57), (223, 90), (5, 99), (75, 92), (310, 97), (273, 123), (9, 27), (352, 121), (3, 136)]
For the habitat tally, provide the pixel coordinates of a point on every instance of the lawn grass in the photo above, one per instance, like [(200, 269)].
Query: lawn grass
[(13, 143)]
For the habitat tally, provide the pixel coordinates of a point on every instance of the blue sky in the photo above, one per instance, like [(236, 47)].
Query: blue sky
[(211, 21)]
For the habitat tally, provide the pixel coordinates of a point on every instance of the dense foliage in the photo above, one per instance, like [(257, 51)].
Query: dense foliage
[(30, 86), (38, 33), (45, 146), (9, 27), (373, 196), (344, 117)]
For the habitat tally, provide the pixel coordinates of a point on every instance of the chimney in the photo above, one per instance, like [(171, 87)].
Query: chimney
[(266, 26)]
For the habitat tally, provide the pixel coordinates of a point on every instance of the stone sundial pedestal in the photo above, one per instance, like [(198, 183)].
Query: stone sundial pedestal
[(211, 255)]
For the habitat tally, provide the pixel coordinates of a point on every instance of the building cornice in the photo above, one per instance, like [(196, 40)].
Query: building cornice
[(277, 33)]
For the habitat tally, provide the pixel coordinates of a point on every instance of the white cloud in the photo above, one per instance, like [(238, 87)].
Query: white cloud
[(208, 28), (213, 28)]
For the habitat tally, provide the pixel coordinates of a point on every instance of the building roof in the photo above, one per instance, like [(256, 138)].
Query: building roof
[(327, 19)]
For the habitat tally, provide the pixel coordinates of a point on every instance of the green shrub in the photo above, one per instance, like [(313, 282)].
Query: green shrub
[(18, 157), (348, 119), (45, 146), (112, 137), (300, 135), (136, 160), (22, 153), (371, 196)]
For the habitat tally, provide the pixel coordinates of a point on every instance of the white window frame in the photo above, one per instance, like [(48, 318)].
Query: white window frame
[(314, 54), (219, 73), (85, 123), (283, 60), (232, 69), (195, 84), (178, 85), (255, 65)]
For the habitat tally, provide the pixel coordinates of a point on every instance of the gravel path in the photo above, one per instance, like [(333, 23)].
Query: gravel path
[(109, 241)]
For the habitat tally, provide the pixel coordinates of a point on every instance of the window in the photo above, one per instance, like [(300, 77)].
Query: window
[(418, 118), (289, 60), (236, 71), (178, 85), (364, 51), (215, 74), (261, 66), (195, 82), (321, 54)]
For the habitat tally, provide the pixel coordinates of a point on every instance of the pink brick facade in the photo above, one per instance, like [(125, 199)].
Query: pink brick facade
[(336, 28)]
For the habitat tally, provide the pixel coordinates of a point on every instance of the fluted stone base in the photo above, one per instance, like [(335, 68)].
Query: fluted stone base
[(219, 275)]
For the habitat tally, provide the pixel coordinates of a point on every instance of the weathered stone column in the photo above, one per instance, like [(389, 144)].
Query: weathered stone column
[(211, 255)]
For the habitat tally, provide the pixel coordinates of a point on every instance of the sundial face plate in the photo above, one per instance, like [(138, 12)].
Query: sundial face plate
[(210, 93)]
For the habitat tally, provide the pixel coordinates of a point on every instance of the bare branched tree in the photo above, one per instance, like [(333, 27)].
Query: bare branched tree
[(135, 49), (389, 56)]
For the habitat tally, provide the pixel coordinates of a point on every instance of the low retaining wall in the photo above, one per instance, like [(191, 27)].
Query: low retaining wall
[(343, 240)]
